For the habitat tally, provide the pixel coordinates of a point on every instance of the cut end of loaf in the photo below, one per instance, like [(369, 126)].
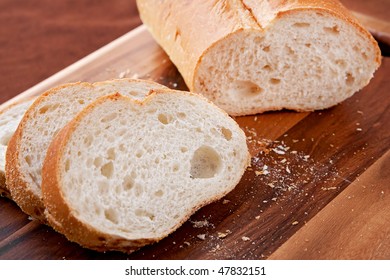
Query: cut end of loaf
[(305, 60), (137, 171)]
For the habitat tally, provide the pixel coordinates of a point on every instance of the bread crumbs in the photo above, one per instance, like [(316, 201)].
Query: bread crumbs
[(201, 236), (245, 238)]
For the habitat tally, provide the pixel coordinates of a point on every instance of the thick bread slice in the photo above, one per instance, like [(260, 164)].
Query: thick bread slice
[(51, 111), (251, 56), (124, 173), (9, 120)]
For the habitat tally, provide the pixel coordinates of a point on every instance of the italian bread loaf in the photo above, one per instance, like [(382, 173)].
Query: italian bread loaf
[(126, 173), (9, 121), (49, 113), (251, 56)]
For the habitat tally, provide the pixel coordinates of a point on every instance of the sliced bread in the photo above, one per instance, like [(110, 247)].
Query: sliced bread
[(252, 56), (9, 120), (125, 173), (51, 111)]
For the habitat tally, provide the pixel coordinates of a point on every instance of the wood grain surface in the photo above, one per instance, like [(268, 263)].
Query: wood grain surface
[(318, 187)]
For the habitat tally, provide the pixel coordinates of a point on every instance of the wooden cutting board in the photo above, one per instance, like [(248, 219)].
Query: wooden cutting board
[(318, 187)]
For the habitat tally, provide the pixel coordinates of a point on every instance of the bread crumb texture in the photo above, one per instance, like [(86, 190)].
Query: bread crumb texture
[(139, 170)]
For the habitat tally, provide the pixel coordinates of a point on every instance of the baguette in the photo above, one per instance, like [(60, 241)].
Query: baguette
[(126, 173), (9, 120), (251, 56), (51, 111)]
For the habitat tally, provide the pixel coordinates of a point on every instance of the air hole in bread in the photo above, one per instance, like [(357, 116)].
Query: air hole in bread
[(128, 182), (274, 81), (205, 163), (257, 40), (28, 160), (177, 34), (98, 161), (157, 160), (308, 45), (183, 149), (109, 118), (102, 187), (81, 101), (267, 67), (48, 108), (181, 115), (88, 141), (175, 167), (227, 133), (111, 215), (97, 209), (159, 193), (139, 154), (244, 89), (122, 132), (332, 30), (144, 213), (138, 189), (122, 148), (341, 62), (165, 118), (266, 48), (290, 50), (349, 79), (133, 93), (111, 155), (107, 170), (67, 165), (301, 24)]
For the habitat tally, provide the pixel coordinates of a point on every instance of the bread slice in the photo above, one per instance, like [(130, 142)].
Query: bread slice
[(252, 56), (124, 174), (51, 111), (9, 120)]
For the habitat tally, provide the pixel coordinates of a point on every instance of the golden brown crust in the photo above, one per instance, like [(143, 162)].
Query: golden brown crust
[(16, 184), (3, 187), (4, 191)]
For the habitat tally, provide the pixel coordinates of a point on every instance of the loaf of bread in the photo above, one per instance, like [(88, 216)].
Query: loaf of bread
[(125, 173), (9, 120), (49, 113), (251, 56)]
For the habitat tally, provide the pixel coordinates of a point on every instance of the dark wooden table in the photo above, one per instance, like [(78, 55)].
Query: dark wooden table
[(336, 207)]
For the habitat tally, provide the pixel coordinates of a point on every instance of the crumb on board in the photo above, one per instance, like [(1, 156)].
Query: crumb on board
[(201, 236), (245, 238), (222, 235), (215, 249), (200, 224)]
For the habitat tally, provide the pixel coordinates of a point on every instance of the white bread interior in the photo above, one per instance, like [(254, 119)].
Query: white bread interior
[(42, 121), (254, 56), (124, 174)]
